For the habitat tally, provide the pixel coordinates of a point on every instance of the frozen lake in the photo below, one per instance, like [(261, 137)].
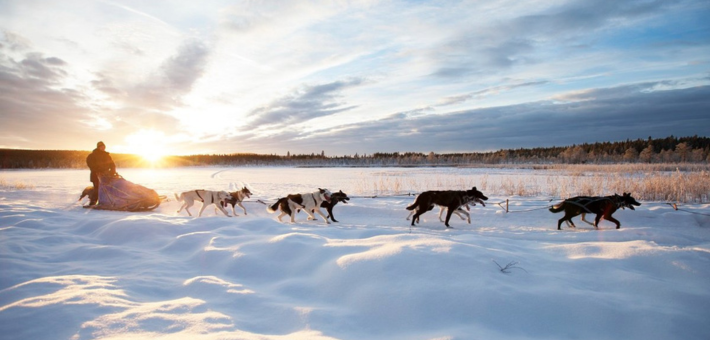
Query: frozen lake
[(273, 182), (73, 273)]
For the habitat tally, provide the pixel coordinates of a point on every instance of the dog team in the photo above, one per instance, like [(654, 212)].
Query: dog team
[(451, 201)]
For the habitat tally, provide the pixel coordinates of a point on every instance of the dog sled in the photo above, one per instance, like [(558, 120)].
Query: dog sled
[(117, 193)]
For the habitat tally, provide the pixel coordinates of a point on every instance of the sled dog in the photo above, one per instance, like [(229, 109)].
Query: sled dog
[(336, 197), (452, 200), (460, 212), (603, 207), (88, 191), (236, 198), (207, 197), (309, 202)]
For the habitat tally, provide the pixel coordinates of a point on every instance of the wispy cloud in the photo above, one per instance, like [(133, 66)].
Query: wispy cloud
[(167, 27), (302, 105), (486, 92)]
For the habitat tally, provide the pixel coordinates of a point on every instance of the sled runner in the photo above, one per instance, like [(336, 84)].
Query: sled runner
[(117, 193)]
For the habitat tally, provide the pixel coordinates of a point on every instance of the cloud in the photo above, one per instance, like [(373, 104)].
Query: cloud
[(33, 104), (13, 41), (525, 39), (35, 99), (174, 79), (607, 114), (486, 92), (304, 104), (36, 66), (147, 104), (182, 70), (294, 72)]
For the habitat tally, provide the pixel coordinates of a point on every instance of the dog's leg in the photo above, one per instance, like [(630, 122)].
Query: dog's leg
[(590, 223), (415, 218), (187, 206), (219, 206), (281, 215), (319, 212), (223, 210), (412, 212), (450, 212), (597, 219), (330, 213), (462, 212), (204, 205), (294, 210), (241, 206), (568, 220), (571, 223), (611, 219), (310, 215), (441, 211)]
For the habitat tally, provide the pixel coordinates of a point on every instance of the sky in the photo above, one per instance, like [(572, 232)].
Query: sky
[(347, 77)]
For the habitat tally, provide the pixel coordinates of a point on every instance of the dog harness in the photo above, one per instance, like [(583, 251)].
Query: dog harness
[(202, 199), (613, 199)]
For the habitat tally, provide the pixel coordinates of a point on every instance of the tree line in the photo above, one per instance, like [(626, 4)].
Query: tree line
[(665, 150)]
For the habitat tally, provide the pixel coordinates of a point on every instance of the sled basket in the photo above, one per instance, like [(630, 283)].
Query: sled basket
[(117, 193)]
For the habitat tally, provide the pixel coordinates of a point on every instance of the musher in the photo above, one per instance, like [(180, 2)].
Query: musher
[(100, 163)]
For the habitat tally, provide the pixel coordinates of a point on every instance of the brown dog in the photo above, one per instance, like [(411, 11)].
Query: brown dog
[(88, 191), (601, 206)]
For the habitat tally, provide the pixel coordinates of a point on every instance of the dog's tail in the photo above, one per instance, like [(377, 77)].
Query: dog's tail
[(88, 191), (179, 198), (272, 208), (557, 207), (414, 205)]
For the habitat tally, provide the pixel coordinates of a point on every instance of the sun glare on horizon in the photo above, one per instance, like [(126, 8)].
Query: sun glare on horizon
[(148, 144)]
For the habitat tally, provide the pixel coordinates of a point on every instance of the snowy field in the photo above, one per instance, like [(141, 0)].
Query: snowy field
[(70, 273)]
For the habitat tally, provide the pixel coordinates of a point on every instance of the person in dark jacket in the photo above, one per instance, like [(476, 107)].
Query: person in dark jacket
[(99, 162)]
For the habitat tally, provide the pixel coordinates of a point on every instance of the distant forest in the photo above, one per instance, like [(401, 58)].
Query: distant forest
[(666, 150)]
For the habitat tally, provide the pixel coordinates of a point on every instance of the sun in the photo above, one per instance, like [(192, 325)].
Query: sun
[(152, 156), (148, 144)]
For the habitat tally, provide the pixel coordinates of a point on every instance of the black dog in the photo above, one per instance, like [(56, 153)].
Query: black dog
[(336, 197), (452, 199), (602, 206)]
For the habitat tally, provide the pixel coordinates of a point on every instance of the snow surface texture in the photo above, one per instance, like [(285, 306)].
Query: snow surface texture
[(70, 273)]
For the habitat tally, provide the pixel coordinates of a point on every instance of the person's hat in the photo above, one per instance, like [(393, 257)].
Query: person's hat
[(100, 144)]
